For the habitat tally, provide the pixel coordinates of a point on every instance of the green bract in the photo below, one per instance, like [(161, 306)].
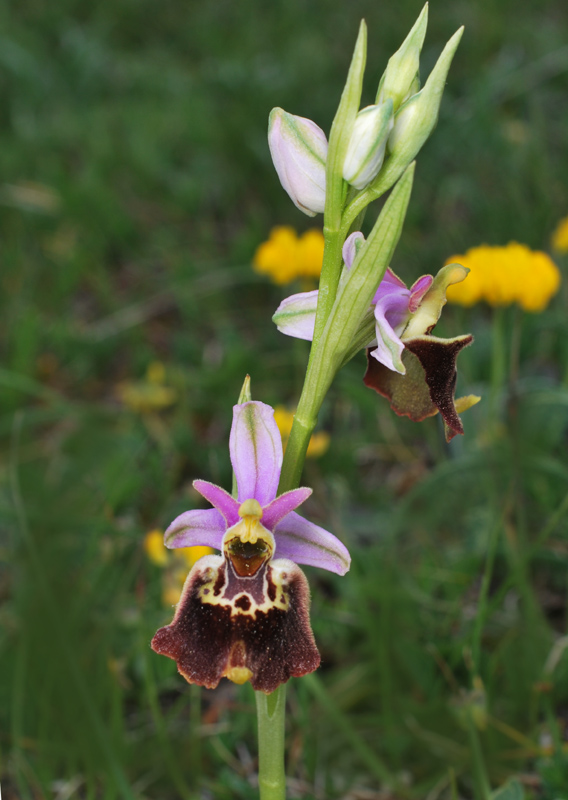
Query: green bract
[(399, 79)]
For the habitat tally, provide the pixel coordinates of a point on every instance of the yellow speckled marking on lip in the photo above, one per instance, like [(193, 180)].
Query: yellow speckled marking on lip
[(277, 583)]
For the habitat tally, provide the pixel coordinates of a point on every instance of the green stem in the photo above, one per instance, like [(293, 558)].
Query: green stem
[(329, 280), (482, 785), (271, 714), (498, 366), (484, 592), (195, 738), (295, 455)]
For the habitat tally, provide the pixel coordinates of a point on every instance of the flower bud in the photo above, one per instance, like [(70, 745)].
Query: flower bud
[(416, 119), (367, 145), (399, 79), (299, 150)]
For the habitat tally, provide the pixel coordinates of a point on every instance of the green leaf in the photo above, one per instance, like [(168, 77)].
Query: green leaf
[(512, 790)]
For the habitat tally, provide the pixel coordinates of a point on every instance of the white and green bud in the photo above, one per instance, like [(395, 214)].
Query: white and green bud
[(366, 150), (299, 150), (416, 118), (399, 80)]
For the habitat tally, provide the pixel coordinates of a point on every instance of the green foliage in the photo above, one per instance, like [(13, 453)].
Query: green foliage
[(512, 790), (135, 184)]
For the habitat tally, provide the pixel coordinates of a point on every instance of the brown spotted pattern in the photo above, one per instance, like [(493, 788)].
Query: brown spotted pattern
[(225, 624)]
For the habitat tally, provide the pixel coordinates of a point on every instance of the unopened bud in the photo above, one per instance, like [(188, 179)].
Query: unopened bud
[(416, 119), (299, 150), (402, 70), (367, 145)]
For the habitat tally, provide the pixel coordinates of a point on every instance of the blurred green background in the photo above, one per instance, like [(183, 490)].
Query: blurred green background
[(135, 185)]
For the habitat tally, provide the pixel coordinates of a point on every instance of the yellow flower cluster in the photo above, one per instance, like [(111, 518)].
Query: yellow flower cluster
[(505, 275), (287, 256), (175, 563), (148, 395), (319, 442), (560, 236)]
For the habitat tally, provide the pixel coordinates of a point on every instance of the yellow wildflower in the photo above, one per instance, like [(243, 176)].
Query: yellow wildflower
[(30, 196), (175, 572), (192, 554), (171, 593), (155, 548), (319, 442), (560, 236), (287, 256), (505, 275), (149, 394)]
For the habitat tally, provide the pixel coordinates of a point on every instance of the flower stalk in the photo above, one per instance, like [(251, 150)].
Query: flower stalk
[(271, 715), (352, 300)]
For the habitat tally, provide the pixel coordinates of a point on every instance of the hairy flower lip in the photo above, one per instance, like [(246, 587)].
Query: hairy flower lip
[(244, 628), (428, 385)]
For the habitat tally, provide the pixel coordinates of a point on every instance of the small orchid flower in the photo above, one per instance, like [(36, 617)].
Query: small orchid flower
[(244, 615), (299, 151), (406, 364)]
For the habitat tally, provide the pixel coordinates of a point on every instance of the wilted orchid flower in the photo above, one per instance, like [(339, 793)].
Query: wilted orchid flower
[(244, 615), (299, 150), (406, 364)]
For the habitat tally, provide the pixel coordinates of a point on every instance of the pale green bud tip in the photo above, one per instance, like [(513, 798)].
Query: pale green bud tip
[(299, 150), (416, 119), (400, 75), (245, 395), (367, 145)]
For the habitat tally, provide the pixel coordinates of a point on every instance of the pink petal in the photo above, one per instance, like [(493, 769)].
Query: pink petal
[(389, 284), (418, 290), (296, 315), (391, 315), (299, 150), (306, 543), (219, 498), (283, 505), (204, 526), (256, 452), (350, 248)]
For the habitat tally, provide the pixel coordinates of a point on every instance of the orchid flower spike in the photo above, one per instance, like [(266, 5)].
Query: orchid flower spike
[(414, 370), (244, 614)]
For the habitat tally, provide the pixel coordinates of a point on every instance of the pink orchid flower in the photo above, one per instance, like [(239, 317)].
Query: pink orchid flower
[(245, 614), (413, 369)]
